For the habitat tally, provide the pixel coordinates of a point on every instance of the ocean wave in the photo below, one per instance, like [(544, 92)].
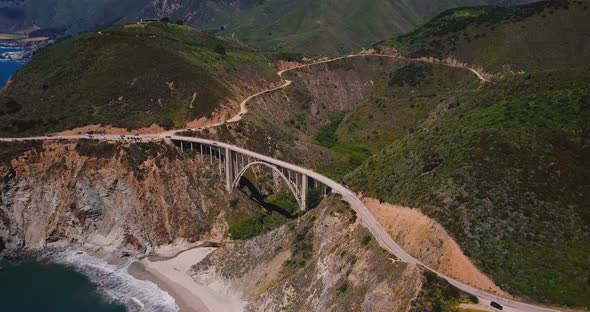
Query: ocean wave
[(118, 285)]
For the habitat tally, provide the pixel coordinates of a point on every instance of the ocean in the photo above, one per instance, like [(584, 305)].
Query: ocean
[(9, 66), (39, 287), (76, 281)]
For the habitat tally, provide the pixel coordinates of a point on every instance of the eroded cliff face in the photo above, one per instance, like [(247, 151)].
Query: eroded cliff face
[(326, 261), (128, 197), (322, 89), (282, 123)]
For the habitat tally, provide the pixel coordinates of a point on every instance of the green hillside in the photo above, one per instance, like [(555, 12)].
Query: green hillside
[(128, 76), (547, 34), (328, 26), (401, 99), (505, 170), (304, 26)]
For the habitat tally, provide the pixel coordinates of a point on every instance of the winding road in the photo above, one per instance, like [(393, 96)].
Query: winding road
[(364, 214), (244, 104), (356, 204)]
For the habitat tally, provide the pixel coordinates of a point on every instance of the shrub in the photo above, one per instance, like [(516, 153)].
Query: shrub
[(220, 49), (327, 135), (243, 226), (342, 288)]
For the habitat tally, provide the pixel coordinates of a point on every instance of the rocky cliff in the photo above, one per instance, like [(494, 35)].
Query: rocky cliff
[(326, 261), (121, 197)]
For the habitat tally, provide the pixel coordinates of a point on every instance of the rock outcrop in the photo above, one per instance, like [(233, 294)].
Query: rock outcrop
[(326, 261), (120, 197)]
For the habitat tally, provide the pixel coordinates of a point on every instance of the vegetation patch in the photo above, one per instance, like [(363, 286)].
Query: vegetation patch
[(12, 150), (111, 78), (97, 149), (248, 225), (544, 34), (401, 99), (437, 295), (285, 201), (411, 75), (302, 247), (510, 168), (327, 134), (366, 240)]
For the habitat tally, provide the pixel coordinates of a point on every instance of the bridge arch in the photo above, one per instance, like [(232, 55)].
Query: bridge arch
[(292, 187)]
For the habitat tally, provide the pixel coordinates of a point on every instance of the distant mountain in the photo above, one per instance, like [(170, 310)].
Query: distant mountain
[(129, 76), (311, 26), (65, 17), (548, 34), (327, 26)]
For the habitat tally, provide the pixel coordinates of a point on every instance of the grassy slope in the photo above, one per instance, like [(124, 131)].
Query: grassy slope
[(121, 76), (399, 102), (539, 35), (328, 26), (506, 172)]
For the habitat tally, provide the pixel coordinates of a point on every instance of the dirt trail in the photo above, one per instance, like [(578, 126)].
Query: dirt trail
[(205, 124), (221, 119)]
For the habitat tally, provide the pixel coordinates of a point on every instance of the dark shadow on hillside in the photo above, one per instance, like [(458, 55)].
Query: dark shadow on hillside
[(247, 187)]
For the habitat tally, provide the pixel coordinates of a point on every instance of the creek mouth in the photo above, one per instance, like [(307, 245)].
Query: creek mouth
[(74, 280)]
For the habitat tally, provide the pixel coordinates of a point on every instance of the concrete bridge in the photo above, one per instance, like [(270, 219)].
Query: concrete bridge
[(299, 181), (233, 162)]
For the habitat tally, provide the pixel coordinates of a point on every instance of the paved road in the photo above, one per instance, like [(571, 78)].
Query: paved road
[(356, 204)]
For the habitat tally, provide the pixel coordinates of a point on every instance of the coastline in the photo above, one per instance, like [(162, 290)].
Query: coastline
[(172, 275), (107, 273)]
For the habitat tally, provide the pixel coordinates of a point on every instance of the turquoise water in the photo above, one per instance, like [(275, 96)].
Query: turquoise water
[(35, 287), (79, 282), (9, 67)]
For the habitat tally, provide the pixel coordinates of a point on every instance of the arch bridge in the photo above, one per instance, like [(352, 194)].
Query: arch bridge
[(233, 162)]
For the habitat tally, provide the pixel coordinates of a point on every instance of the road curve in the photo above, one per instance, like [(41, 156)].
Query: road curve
[(244, 103), (356, 204)]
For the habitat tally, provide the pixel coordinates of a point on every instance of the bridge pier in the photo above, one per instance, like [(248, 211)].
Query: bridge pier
[(304, 189), (228, 170), (220, 161)]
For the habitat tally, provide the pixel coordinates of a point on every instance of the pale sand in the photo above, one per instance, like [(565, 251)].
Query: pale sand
[(11, 36), (174, 276), (34, 39)]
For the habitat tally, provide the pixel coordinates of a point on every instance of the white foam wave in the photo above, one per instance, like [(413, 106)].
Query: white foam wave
[(116, 282)]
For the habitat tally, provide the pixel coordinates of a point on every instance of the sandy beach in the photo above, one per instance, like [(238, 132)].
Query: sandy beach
[(173, 276)]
